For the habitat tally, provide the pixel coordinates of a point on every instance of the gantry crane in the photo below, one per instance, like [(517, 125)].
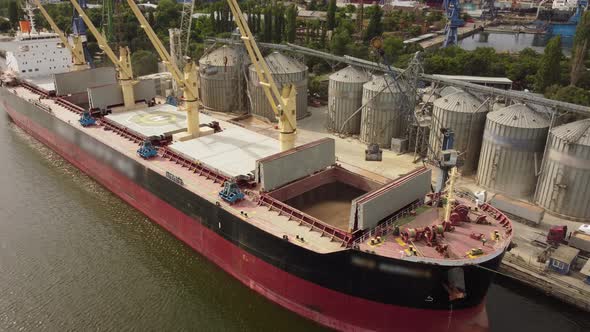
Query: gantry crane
[(454, 21), (186, 81), (123, 63), (77, 49), (282, 103)]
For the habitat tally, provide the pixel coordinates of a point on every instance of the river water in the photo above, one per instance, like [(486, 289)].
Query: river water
[(512, 42), (74, 257)]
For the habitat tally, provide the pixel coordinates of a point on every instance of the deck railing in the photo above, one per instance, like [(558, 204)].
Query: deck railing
[(34, 89), (388, 225), (69, 105), (122, 130), (304, 219), (193, 166)]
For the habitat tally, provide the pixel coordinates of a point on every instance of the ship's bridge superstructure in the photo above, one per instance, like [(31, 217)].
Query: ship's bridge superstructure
[(38, 54)]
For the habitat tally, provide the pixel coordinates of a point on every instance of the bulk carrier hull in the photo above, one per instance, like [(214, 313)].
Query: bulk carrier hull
[(346, 290)]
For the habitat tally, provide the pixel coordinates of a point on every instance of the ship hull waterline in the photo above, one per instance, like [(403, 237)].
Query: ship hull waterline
[(323, 305)]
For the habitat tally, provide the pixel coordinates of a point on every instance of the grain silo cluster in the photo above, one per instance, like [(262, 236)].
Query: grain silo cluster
[(465, 115), (384, 110), (345, 97), (512, 150), (563, 187), (509, 148), (285, 71), (219, 72)]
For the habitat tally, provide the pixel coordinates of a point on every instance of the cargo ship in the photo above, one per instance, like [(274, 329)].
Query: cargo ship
[(346, 248)]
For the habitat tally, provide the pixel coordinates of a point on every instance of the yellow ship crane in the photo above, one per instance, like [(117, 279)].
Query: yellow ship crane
[(76, 49), (187, 81), (123, 63), (282, 103), (450, 194)]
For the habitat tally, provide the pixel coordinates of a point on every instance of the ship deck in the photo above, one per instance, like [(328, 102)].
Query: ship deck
[(161, 119), (234, 152), (459, 242)]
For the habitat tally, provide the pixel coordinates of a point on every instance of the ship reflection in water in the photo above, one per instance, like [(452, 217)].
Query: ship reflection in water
[(513, 42), (75, 257)]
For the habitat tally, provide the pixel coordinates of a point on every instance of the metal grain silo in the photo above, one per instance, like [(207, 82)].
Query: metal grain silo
[(512, 149), (466, 116), (447, 90), (220, 80), (285, 71), (564, 184), (384, 112), (345, 97)]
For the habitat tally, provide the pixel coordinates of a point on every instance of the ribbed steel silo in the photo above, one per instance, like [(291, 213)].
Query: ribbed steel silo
[(564, 184), (512, 150), (345, 97), (466, 116), (384, 112), (219, 73), (447, 90), (285, 71)]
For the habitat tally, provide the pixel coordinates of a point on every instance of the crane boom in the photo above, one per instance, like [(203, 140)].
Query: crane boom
[(282, 104), (188, 80), (102, 42), (76, 50), (162, 52), (123, 63)]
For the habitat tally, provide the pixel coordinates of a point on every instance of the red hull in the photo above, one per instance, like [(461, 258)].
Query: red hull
[(325, 306)]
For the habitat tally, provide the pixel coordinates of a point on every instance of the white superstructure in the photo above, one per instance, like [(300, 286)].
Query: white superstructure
[(565, 4), (37, 53)]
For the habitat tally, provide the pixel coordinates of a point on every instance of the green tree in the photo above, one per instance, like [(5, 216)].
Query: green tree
[(279, 23), (144, 62), (150, 18), (13, 13), (4, 25), (393, 48), (167, 15), (570, 94), (312, 5), (549, 68), (291, 24), (267, 31), (331, 17), (323, 36), (521, 69), (340, 41), (580, 51), (374, 28)]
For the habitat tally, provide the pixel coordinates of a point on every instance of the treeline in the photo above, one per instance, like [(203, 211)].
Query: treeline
[(344, 30)]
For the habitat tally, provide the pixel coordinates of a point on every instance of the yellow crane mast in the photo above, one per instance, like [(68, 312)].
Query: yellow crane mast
[(282, 103), (76, 49), (123, 63), (450, 194), (187, 81)]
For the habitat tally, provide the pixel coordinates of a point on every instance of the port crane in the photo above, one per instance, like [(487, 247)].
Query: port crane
[(282, 104), (79, 29), (123, 63), (453, 12), (77, 49), (187, 80)]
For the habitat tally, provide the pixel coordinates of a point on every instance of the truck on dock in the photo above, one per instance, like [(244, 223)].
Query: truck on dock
[(579, 240), (557, 235)]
